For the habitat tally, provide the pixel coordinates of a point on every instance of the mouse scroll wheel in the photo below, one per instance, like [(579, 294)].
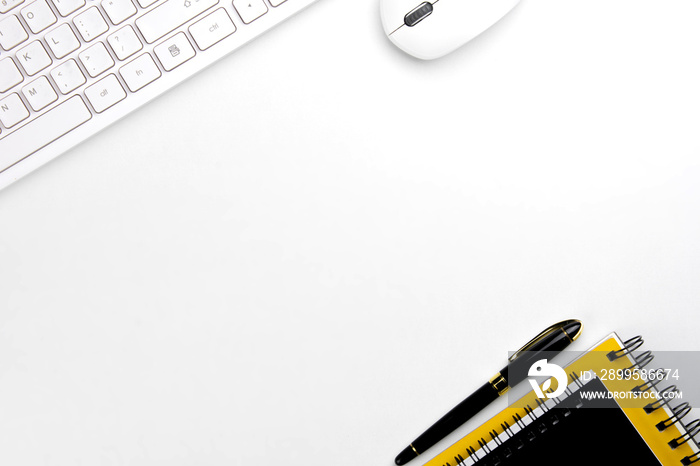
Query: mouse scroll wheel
[(418, 14)]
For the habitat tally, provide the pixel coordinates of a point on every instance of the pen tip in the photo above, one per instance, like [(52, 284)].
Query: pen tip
[(573, 329), (405, 456)]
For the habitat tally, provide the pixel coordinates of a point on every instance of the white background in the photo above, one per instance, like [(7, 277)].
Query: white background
[(309, 252)]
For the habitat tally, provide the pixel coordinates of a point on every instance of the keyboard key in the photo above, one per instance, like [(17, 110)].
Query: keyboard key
[(140, 72), (42, 131), (38, 16), (12, 110), (174, 51), (7, 5), (9, 74), (68, 76), (105, 93), (96, 59), (250, 10), (212, 29), (33, 58), (90, 24), (66, 7), (277, 2), (62, 41), (118, 10), (39, 93), (124, 42), (169, 15), (146, 3), (11, 32)]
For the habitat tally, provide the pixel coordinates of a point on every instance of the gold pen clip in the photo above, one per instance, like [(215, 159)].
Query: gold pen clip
[(559, 326)]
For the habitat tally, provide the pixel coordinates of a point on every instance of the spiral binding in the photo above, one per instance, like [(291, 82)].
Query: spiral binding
[(692, 429), (630, 345)]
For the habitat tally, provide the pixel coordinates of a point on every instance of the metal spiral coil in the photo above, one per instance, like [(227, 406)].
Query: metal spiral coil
[(651, 407), (642, 360), (691, 430), (630, 345), (679, 412)]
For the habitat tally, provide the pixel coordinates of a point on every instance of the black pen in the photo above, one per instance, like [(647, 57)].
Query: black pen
[(553, 339)]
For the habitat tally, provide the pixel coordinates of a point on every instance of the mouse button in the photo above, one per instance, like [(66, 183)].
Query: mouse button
[(393, 12), (418, 14)]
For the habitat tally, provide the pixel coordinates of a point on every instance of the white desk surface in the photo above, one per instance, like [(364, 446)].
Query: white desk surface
[(309, 252)]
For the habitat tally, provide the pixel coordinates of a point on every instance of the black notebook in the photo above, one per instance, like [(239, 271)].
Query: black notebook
[(559, 433)]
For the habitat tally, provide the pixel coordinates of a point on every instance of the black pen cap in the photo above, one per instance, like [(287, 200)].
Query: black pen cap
[(546, 345)]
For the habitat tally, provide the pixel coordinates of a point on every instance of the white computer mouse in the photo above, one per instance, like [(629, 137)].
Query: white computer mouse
[(431, 29)]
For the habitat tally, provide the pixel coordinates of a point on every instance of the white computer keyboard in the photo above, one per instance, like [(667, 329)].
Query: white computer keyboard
[(69, 68)]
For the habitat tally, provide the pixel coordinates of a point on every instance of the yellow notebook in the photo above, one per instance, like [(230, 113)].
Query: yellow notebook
[(614, 411)]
